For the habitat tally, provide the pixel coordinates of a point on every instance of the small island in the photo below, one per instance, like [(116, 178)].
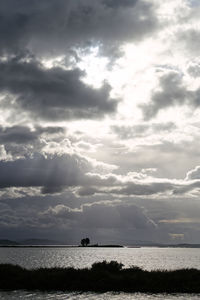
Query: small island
[(45, 243), (86, 243), (101, 277)]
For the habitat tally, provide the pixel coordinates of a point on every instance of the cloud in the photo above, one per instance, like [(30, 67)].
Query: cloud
[(20, 134), (171, 92), (52, 94), (21, 141), (53, 27), (52, 173), (105, 215), (193, 174), (140, 130), (190, 38), (177, 236), (17, 135), (194, 69), (119, 3), (87, 191), (142, 188), (137, 184), (64, 180), (103, 221), (123, 221)]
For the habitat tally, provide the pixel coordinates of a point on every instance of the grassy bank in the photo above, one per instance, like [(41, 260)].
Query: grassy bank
[(100, 277)]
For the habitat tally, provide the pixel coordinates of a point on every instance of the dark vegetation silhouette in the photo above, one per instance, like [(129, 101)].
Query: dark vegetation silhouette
[(85, 242), (101, 277)]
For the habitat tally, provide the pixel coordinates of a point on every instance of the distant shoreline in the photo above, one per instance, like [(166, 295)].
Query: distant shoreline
[(60, 246), (99, 246), (101, 277)]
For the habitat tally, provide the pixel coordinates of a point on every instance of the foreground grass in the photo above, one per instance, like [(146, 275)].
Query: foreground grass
[(101, 277)]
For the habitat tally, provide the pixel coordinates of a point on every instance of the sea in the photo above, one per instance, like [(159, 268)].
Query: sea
[(149, 258)]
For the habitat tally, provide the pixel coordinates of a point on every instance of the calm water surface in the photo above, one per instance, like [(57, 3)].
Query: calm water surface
[(147, 258), (92, 296)]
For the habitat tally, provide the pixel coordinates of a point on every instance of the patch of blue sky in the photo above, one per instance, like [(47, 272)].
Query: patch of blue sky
[(194, 2)]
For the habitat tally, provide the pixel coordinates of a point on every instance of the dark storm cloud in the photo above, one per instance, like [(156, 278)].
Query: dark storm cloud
[(50, 130), (98, 220), (100, 215), (17, 134), (117, 216), (52, 172), (116, 220), (87, 191), (24, 135), (22, 141), (35, 30), (187, 188), (172, 92), (138, 185), (52, 26), (119, 3), (151, 188), (54, 94)]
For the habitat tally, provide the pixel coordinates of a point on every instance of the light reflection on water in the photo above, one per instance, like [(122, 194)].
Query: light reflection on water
[(92, 296), (147, 258)]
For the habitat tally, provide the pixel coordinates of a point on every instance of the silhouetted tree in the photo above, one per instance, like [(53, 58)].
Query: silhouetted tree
[(87, 241), (83, 242)]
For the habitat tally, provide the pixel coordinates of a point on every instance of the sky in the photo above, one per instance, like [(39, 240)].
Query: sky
[(100, 120)]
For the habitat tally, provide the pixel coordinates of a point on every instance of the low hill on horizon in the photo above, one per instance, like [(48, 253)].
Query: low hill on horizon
[(47, 242), (31, 241), (8, 242)]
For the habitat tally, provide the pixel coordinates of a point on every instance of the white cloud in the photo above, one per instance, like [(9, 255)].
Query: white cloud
[(97, 103)]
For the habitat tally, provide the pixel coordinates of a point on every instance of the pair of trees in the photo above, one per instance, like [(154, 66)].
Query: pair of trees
[(85, 242)]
